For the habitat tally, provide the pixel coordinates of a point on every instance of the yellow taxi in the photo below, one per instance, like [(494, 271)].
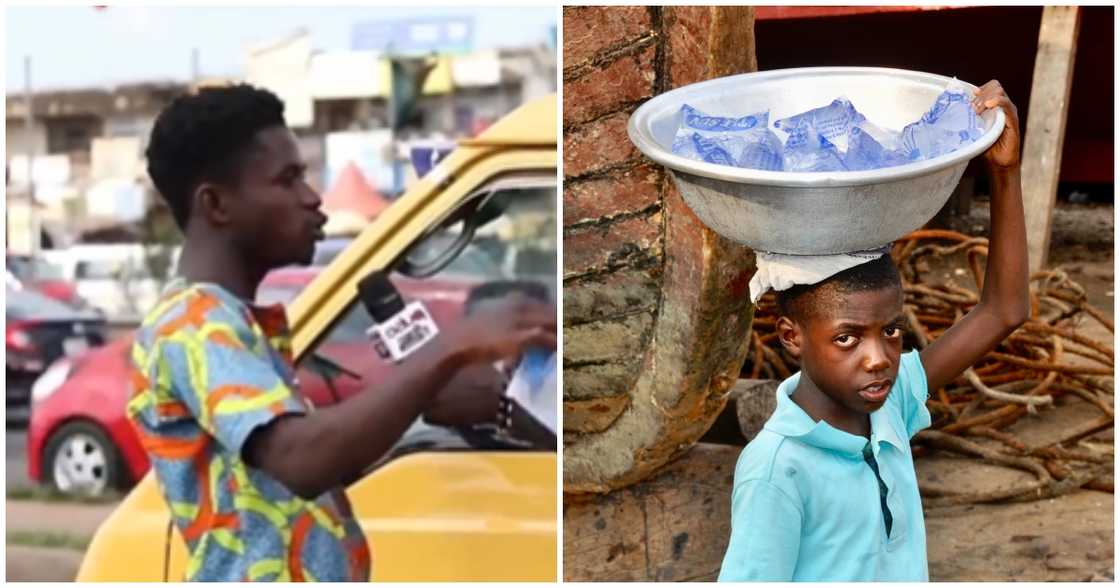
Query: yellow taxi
[(445, 504)]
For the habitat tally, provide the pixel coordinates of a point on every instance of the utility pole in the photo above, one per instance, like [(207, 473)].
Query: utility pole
[(393, 120), (32, 214), (409, 73)]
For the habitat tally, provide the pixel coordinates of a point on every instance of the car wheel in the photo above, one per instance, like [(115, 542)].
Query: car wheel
[(81, 460)]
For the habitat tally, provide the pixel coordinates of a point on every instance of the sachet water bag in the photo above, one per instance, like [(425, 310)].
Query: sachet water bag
[(745, 141), (834, 137)]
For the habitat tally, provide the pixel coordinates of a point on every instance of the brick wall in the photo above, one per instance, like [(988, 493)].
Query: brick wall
[(614, 59), (612, 203), (635, 257)]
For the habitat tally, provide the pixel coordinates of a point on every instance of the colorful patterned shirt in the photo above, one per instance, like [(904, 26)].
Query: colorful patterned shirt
[(208, 369)]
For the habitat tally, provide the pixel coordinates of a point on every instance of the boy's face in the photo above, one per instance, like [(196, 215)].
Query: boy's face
[(849, 346), (275, 215)]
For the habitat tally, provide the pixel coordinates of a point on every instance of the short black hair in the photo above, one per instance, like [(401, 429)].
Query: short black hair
[(500, 288), (204, 136), (805, 300)]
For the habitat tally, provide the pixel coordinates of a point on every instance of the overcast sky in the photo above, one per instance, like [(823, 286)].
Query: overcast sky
[(80, 46)]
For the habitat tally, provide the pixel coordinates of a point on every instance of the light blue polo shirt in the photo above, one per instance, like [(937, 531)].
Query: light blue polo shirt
[(805, 505)]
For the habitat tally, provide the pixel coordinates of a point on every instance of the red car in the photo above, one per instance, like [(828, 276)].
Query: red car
[(80, 440), (43, 277)]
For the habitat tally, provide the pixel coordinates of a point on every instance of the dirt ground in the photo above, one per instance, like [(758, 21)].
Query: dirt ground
[(27, 563), (41, 564), (1069, 538)]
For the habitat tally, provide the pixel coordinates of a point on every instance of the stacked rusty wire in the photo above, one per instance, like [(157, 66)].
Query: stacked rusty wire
[(1045, 358)]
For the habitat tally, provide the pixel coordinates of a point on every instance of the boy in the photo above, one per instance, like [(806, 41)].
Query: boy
[(252, 477), (827, 491)]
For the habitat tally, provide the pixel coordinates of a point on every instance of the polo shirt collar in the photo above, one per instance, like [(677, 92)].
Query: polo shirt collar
[(790, 420)]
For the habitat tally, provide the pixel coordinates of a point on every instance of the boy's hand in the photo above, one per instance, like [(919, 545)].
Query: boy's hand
[(1004, 154), (1005, 298)]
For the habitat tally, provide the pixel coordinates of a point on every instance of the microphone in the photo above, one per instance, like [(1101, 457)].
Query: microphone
[(380, 297), (399, 329)]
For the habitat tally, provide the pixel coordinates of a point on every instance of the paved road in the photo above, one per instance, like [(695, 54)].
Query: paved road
[(42, 564), (48, 564)]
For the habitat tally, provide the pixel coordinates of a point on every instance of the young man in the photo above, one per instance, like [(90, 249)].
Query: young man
[(252, 476), (827, 491)]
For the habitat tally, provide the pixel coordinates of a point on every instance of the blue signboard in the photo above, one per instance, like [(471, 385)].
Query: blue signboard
[(415, 36), (425, 157)]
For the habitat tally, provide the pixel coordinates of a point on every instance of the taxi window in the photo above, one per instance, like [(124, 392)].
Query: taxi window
[(515, 250)]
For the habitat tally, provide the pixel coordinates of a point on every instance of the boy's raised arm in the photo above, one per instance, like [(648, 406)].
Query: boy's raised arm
[(1005, 298)]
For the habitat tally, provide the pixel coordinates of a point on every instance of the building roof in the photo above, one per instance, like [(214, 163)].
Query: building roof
[(352, 193), (140, 97)]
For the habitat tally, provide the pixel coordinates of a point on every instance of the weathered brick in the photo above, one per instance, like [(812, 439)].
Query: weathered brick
[(628, 190), (597, 145), (606, 341), (602, 380), (688, 513), (678, 522), (706, 43), (591, 29), (661, 264), (593, 415), (611, 294), (605, 538), (604, 88), (688, 34), (612, 244)]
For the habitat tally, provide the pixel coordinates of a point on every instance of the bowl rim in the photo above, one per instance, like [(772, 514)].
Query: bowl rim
[(638, 128)]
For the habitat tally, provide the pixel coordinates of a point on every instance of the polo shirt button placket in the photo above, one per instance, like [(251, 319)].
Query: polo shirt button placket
[(894, 504), (868, 455)]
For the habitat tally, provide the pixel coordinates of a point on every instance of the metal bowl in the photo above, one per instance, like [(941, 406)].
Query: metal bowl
[(810, 213)]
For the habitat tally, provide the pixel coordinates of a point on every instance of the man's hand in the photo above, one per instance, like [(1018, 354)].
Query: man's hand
[(1004, 153), (317, 452), (503, 331), (470, 398)]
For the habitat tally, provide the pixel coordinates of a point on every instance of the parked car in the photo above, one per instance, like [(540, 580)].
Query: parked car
[(40, 330), (44, 277), (114, 278), (328, 249), (79, 440), (440, 508)]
